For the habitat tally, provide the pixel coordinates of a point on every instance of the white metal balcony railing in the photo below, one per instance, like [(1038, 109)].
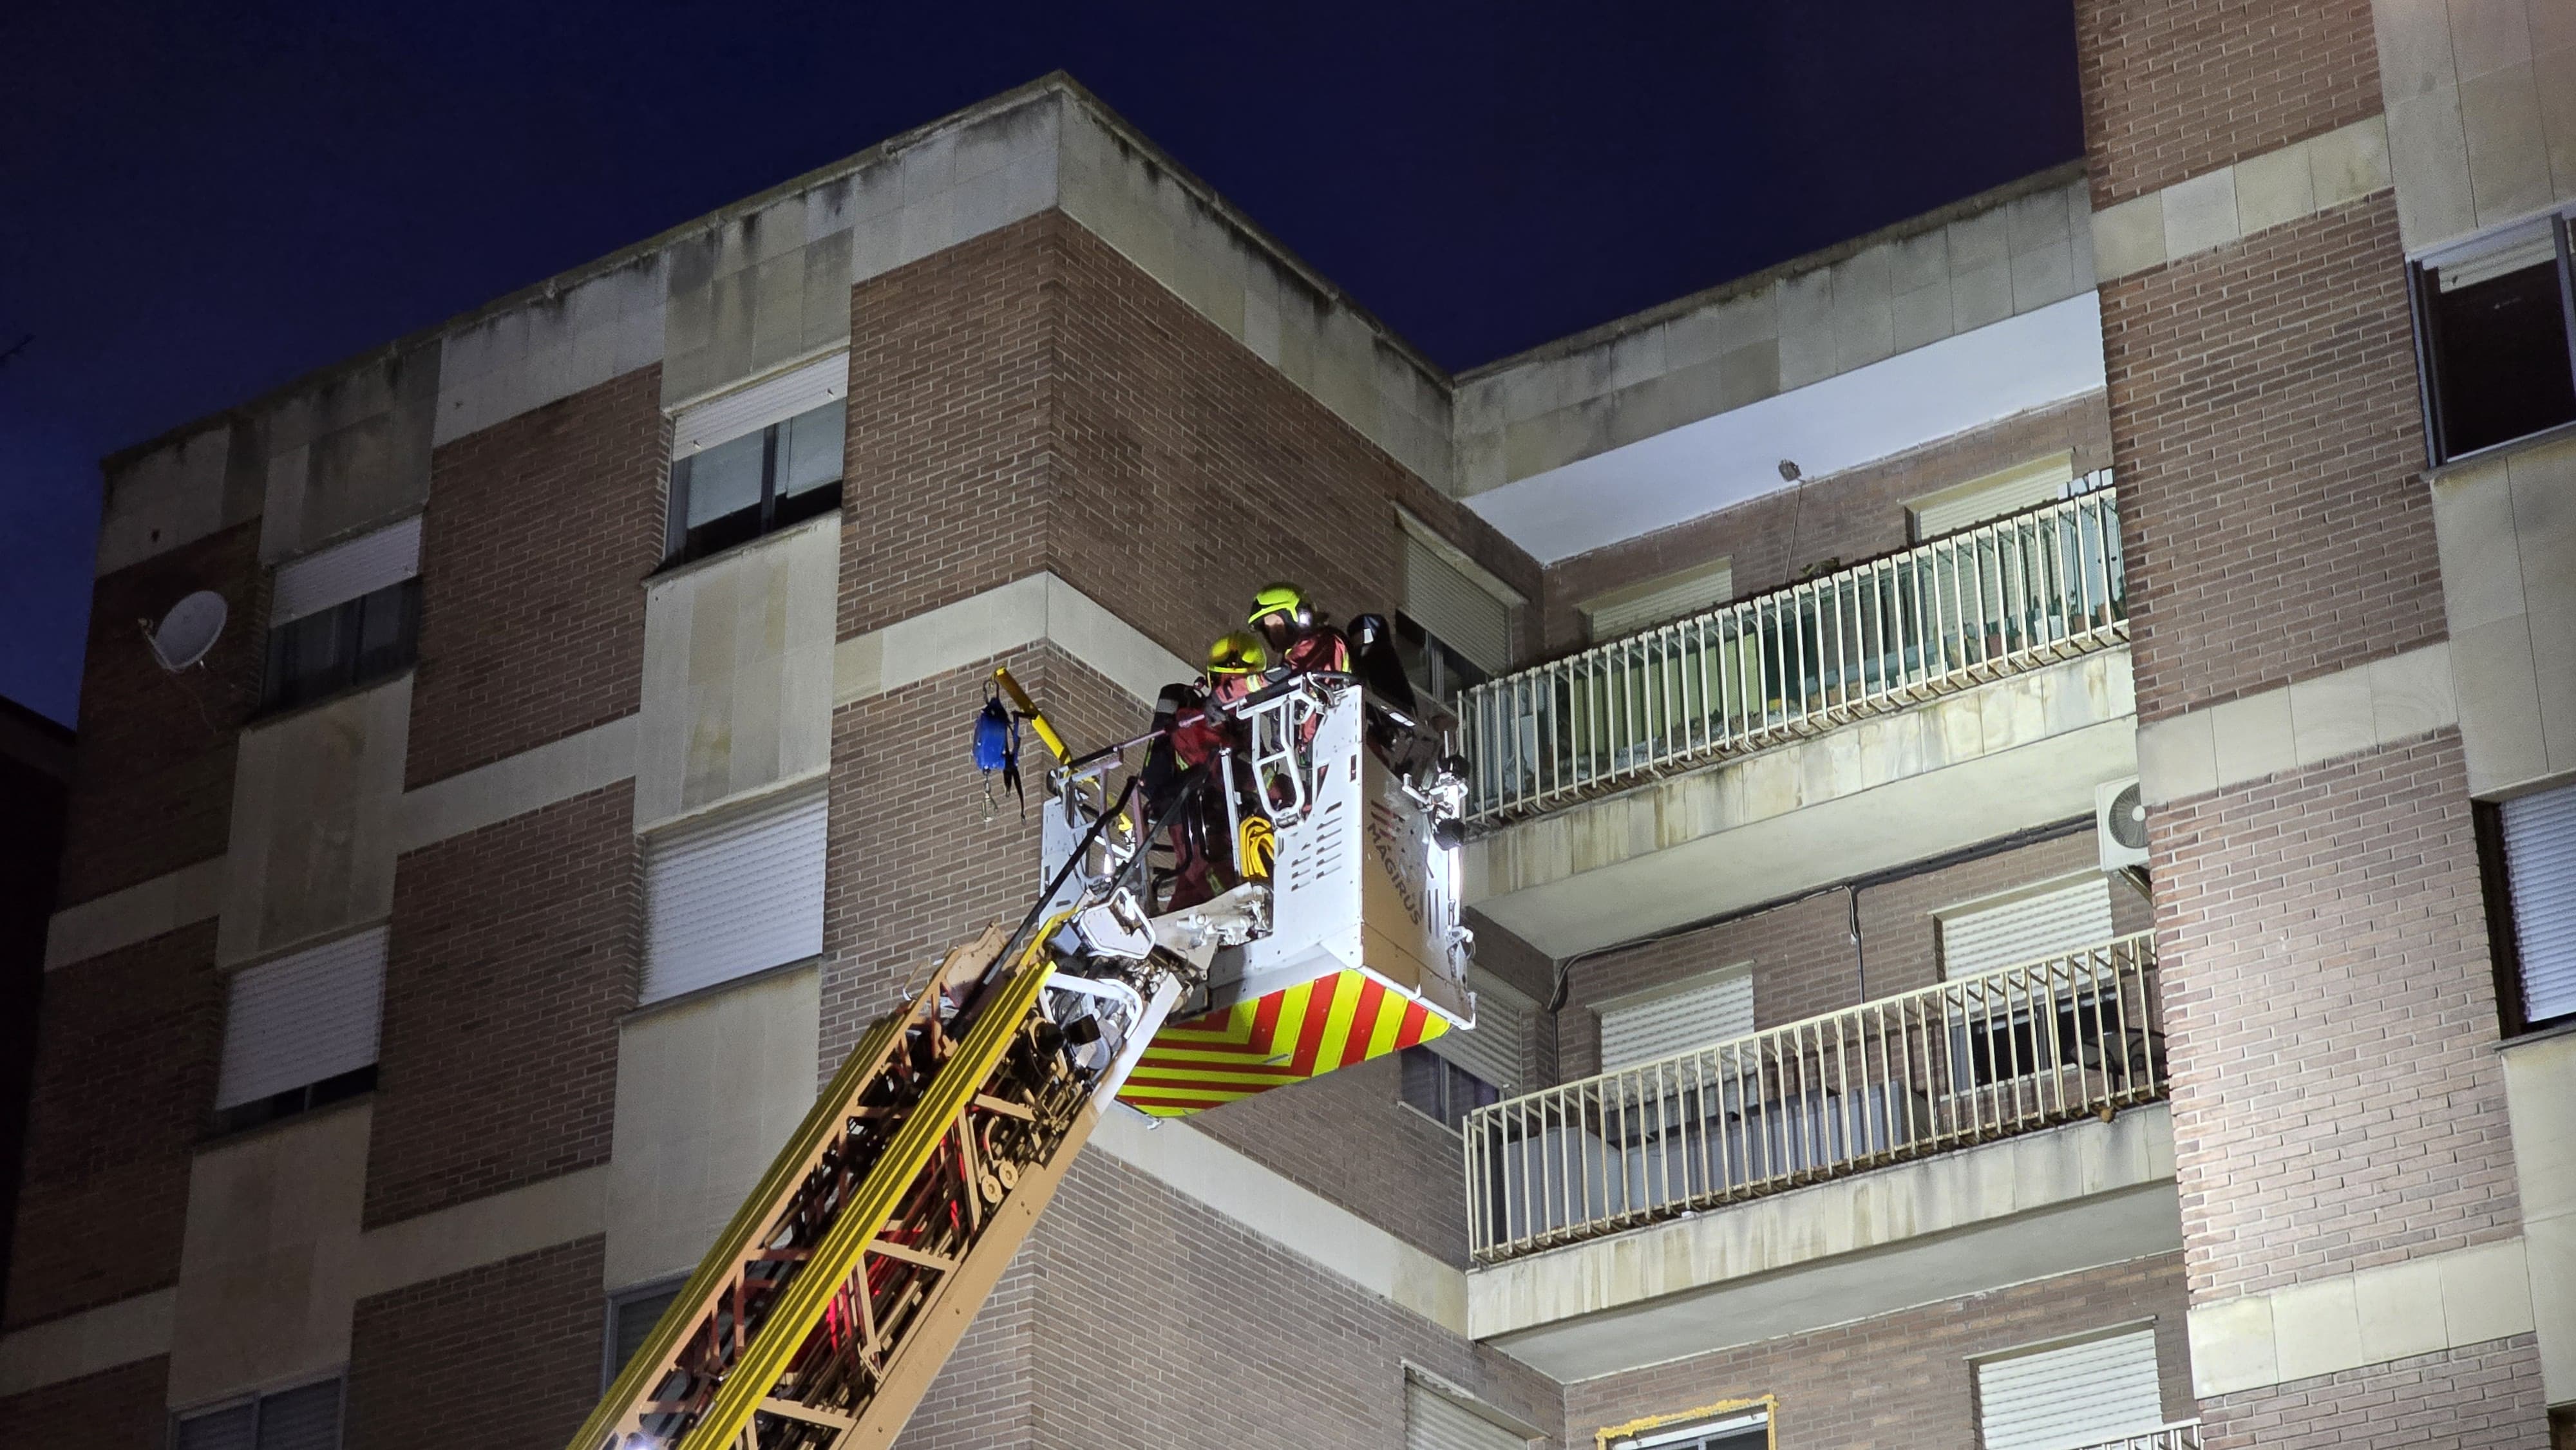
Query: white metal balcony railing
[(2004, 597), (2180, 1435), (2008, 1051)]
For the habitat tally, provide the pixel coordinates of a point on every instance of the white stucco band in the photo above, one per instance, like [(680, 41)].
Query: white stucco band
[(1038, 609), (1938, 390), (2422, 1306), (1956, 1223)]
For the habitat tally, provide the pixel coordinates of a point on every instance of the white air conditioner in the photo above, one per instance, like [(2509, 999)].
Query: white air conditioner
[(2120, 824)]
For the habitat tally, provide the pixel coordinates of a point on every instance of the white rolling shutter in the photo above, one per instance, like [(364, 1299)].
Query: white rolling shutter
[(344, 571), (1462, 613), (1433, 1421), (2081, 1394), (734, 896), (1492, 1049), (301, 1019), (748, 410), (2042, 924), (1699, 1014), (1675, 596), (2010, 490), (2540, 873)]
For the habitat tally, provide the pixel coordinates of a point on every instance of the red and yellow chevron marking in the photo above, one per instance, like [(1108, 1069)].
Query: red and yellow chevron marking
[(1288, 1036)]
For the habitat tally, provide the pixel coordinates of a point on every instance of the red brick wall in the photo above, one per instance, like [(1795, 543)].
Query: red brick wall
[(915, 868), (501, 1356), (126, 1054), (1348, 1137), (981, 1397), (114, 1409), (152, 782), (515, 950), (539, 533), (1802, 956), (1163, 1322), (1902, 1378), (1030, 399), (1850, 516), (2487, 1395), (2337, 1099), (2172, 90), (2264, 409)]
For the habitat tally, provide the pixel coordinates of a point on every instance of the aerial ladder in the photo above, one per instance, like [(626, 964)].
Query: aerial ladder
[(826, 1306)]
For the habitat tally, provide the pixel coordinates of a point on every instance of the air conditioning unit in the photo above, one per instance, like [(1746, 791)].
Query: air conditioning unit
[(2120, 824)]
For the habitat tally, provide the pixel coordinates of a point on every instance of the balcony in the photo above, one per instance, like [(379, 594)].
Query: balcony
[(2180, 1435), (2008, 1052), (2005, 597)]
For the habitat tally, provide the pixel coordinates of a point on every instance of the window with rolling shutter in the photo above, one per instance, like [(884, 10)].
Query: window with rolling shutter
[(1457, 610), (1682, 1018), (735, 895), (1640, 607), (304, 1418), (1434, 1421), (756, 460), (1495, 1047), (2540, 881), (2006, 491), (2072, 1395), (346, 616), (301, 1030), (1981, 937), (345, 571)]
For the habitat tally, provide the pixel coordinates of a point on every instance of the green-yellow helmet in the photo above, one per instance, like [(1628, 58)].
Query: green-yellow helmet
[(1285, 599), (1239, 653)]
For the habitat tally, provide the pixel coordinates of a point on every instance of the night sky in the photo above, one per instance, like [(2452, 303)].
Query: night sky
[(198, 203)]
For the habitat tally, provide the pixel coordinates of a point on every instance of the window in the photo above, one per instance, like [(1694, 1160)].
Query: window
[(2529, 851), (1435, 668), (2006, 491), (301, 1031), (1437, 1420), (2493, 336), (1623, 612), (1492, 1050), (1983, 936), (2071, 1395), (756, 460), (345, 616), (1681, 1017), (304, 1418), (1725, 1429), (631, 1317), (734, 894), (1455, 627), (1441, 1090)]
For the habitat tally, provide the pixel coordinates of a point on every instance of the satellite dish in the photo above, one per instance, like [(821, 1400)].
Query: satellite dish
[(2127, 818), (188, 630)]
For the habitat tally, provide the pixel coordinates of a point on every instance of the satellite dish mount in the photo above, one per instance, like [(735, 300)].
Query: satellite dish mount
[(188, 631)]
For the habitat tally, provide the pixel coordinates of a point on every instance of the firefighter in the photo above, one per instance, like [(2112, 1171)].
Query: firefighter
[(1297, 636), (1197, 729)]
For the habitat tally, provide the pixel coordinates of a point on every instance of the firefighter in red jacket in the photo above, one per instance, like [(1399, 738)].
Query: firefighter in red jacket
[(1295, 634)]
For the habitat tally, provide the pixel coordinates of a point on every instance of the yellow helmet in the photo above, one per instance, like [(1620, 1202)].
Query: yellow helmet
[(1239, 653), (1285, 599)]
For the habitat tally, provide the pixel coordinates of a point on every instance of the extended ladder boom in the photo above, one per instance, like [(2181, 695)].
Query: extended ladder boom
[(827, 1305)]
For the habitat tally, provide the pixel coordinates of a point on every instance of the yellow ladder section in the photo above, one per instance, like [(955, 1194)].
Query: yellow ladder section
[(827, 1305)]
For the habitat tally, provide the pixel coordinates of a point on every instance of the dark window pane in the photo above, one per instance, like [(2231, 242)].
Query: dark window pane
[(635, 1319), (301, 1419), (226, 1429), (809, 450), (2500, 351), (385, 632), (725, 480)]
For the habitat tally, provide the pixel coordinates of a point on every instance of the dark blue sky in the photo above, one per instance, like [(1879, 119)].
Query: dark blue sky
[(200, 202)]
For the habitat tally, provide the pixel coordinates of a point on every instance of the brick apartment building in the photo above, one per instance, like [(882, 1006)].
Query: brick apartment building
[(581, 769)]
